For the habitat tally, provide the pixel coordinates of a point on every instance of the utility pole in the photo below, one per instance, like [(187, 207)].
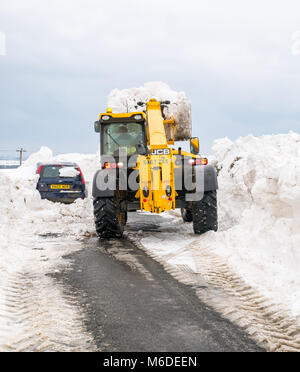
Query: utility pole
[(21, 151)]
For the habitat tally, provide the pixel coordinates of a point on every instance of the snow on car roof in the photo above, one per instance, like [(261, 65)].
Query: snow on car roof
[(65, 164)]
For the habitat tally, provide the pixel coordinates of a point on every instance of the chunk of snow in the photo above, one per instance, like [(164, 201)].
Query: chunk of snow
[(68, 172), (123, 101)]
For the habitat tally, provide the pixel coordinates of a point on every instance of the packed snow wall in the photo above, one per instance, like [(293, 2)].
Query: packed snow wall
[(126, 101), (260, 173)]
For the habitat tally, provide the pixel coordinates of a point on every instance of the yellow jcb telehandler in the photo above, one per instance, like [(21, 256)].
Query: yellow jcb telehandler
[(140, 170)]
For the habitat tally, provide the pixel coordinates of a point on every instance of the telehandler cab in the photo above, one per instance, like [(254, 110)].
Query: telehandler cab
[(141, 171)]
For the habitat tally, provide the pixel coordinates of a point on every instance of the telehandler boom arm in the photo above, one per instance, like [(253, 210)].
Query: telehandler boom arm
[(156, 170)]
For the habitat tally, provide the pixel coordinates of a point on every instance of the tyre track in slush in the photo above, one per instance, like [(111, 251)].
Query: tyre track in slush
[(35, 316), (266, 322)]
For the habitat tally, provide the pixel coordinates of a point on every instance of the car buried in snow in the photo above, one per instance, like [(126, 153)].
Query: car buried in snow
[(61, 182)]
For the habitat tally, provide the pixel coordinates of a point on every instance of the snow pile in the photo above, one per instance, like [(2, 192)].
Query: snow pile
[(259, 203), (126, 101), (260, 176), (259, 212)]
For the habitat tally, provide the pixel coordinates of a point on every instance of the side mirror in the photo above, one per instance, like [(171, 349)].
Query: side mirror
[(97, 126), (195, 145), (142, 149)]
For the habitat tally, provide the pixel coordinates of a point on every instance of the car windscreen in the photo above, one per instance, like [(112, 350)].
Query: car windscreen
[(53, 171)]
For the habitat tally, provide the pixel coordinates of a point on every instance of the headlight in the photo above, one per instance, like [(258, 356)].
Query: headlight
[(105, 118), (138, 117)]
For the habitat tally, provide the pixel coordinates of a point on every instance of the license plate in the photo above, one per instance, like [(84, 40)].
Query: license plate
[(60, 187)]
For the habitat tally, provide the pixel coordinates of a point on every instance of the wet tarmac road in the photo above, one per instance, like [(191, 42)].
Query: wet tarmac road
[(132, 304)]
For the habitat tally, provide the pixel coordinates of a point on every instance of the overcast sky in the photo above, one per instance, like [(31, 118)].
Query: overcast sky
[(237, 61)]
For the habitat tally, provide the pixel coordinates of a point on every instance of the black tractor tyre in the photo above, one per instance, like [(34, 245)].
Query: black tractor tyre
[(109, 220), (205, 213), (187, 215)]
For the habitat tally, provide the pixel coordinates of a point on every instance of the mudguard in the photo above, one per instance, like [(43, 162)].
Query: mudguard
[(98, 193), (207, 181), (210, 178), (207, 178)]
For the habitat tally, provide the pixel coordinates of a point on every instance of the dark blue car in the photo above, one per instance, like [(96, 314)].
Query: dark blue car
[(61, 182)]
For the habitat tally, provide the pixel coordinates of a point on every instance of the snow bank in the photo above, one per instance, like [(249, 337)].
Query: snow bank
[(259, 173), (126, 101), (259, 207)]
